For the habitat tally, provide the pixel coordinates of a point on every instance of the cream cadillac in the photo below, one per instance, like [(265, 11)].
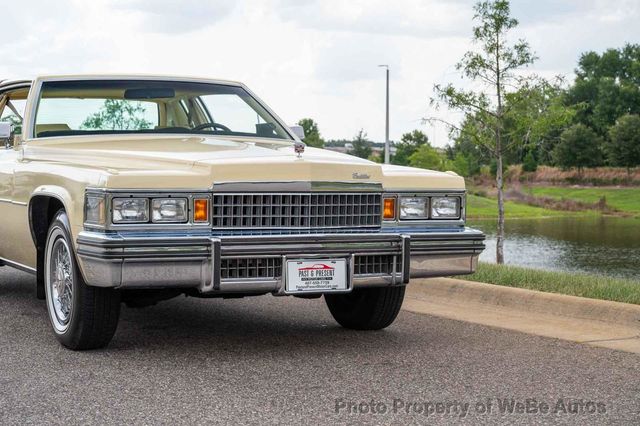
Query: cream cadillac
[(137, 189)]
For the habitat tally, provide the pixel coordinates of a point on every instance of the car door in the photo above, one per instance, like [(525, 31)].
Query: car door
[(12, 106)]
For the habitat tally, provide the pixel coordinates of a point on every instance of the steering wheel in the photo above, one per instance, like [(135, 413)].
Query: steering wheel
[(213, 126)]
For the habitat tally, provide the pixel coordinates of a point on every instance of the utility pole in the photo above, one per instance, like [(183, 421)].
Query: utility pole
[(386, 130)]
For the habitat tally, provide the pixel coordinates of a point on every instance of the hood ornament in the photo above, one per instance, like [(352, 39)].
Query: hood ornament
[(298, 147)]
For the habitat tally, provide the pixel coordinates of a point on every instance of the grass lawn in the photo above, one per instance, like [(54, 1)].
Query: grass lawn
[(622, 199), (573, 284), (482, 208)]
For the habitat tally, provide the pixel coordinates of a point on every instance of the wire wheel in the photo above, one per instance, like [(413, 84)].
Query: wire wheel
[(59, 282)]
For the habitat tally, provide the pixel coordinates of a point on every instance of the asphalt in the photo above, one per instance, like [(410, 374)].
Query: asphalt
[(273, 360)]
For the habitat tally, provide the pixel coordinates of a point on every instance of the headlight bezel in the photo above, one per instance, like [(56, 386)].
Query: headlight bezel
[(403, 201), (108, 197), (157, 205), (439, 216), (430, 218), (143, 209)]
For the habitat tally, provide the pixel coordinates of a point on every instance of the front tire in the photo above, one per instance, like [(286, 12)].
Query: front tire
[(366, 308), (82, 317)]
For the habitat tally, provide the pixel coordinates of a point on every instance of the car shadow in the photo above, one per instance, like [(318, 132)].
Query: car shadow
[(277, 326)]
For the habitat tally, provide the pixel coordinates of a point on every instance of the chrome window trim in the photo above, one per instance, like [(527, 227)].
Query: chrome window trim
[(31, 108)]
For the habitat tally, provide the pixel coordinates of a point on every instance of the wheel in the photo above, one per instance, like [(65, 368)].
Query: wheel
[(82, 317), (367, 308)]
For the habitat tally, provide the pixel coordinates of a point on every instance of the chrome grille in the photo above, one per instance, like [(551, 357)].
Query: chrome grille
[(376, 264), (262, 267), (271, 267), (296, 210)]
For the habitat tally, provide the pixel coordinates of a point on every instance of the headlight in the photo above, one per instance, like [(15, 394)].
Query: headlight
[(172, 210), (130, 210), (445, 207), (413, 208), (94, 210)]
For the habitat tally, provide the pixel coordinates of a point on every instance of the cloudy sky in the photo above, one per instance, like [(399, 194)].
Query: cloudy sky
[(305, 58)]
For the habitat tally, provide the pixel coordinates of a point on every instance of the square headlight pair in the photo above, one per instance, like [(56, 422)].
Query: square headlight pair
[(144, 210), (421, 208), (163, 210)]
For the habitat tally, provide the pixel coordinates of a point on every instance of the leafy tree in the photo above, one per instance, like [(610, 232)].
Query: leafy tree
[(607, 86), (311, 133), (529, 164), (579, 147), (117, 114), (492, 68), (409, 143), (426, 157), (465, 166), (623, 148), (361, 145), (15, 121), (535, 118)]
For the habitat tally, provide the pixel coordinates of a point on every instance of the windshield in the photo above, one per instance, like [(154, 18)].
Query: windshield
[(137, 106)]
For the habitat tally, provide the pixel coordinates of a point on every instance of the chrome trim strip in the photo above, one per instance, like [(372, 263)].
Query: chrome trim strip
[(17, 265), (15, 203), (295, 186)]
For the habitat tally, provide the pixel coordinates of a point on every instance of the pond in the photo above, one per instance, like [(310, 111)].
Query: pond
[(600, 245)]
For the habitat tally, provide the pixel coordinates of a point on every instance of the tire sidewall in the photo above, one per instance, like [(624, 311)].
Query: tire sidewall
[(60, 229)]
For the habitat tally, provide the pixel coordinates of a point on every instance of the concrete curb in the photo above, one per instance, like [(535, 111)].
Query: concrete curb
[(523, 300), (592, 322)]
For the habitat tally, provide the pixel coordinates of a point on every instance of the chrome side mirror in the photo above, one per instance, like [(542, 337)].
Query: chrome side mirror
[(6, 134), (298, 131)]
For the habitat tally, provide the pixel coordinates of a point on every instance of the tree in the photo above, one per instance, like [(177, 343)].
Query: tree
[(427, 157), (492, 69), (535, 118), (529, 164), (409, 143), (579, 147), (361, 145), (623, 147), (117, 114), (15, 121), (311, 133), (607, 86)]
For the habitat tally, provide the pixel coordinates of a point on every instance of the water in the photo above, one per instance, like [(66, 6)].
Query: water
[(601, 245)]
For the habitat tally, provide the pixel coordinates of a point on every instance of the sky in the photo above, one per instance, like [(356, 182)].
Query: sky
[(304, 58)]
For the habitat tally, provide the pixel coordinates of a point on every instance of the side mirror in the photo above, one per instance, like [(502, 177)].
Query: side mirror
[(6, 134), (298, 131)]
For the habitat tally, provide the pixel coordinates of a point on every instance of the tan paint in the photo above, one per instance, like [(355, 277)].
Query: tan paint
[(65, 166)]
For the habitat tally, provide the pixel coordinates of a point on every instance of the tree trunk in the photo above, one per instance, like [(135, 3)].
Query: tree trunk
[(500, 234)]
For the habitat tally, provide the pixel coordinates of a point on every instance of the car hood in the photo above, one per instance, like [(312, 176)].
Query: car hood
[(198, 162)]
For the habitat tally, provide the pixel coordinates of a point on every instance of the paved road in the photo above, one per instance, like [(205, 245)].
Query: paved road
[(268, 360)]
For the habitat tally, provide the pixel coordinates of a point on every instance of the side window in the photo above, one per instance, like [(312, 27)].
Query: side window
[(14, 107)]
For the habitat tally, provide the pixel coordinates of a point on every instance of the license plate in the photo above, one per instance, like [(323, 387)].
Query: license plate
[(315, 276)]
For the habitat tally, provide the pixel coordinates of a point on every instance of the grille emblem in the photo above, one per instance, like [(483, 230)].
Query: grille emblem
[(357, 175)]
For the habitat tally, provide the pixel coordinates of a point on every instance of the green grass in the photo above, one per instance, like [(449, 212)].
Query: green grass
[(622, 199), (484, 208), (574, 284)]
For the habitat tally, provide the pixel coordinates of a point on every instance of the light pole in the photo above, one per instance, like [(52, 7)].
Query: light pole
[(386, 129)]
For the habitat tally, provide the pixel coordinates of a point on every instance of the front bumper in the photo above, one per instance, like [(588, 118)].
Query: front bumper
[(130, 260)]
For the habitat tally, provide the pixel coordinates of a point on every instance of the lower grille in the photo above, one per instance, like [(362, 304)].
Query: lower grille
[(265, 267), (376, 264), (271, 267)]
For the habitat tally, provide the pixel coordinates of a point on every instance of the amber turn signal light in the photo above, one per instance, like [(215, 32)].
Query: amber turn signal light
[(389, 210), (201, 210)]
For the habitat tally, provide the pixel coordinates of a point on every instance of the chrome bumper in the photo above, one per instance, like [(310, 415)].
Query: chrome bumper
[(128, 260)]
